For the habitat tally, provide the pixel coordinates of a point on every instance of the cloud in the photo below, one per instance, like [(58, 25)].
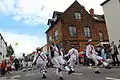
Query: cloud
[(26, 43), (38, 11)]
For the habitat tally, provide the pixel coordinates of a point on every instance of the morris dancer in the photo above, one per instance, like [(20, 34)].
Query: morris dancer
[(41, 61), (73, 54), (58, 60), (92, 54)]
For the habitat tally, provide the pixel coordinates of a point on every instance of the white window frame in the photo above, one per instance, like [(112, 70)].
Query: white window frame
[(72, 31), (49, 38), (101, 37), (87, 31), (77, 15), (56, 34)]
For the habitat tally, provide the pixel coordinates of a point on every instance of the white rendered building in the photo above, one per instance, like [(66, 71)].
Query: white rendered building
[(3, 48), (111, 10)]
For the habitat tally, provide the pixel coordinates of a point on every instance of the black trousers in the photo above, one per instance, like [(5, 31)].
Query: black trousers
[(115, 59), (16, 67), (3, 71)]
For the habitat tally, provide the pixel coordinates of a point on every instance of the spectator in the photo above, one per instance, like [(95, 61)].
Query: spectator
[(103, 52), (119, 45), (16, 61), (3, 68), (114, 53), (108, 51), (81, 57), (8, 66), (98, 50)]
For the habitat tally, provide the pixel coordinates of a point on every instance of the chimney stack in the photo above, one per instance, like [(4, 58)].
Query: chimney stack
[(91, 11)]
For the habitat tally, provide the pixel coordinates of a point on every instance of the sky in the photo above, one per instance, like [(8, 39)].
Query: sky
[(25, 21)]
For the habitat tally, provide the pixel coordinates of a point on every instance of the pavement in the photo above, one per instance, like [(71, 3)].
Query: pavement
[(81, 73)]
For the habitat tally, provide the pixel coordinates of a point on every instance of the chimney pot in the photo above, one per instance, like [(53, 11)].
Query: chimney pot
[(91, 11)]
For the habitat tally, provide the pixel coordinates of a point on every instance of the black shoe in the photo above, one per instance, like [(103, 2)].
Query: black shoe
[(61, 78), (108, 67), (118, 65), (114, 65), (44, 76), (73, 71), (97, 72), (59, 70), (70, 72)]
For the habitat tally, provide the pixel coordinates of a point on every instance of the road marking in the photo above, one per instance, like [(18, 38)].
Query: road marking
[(109, 78), (3, 78), (12, 79), (30, 74), (15, 76), (77, 74)]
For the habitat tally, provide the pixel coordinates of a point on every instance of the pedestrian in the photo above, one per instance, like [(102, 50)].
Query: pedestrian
[(81, 57), (73, 57), (30, 63), (119, 45), (108, 51), (41, 60), (58, 61), (16, 64), (8, 66), (24, 62), (92, 54), (3, 68), (103, 53), (114, 52), (98, 49)]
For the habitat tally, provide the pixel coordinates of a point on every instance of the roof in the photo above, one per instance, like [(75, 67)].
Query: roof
[(3, 39), (49, 20), (56, 13), (52, 25), (45, 45), (98, 17), (59, 14), (104, 2)]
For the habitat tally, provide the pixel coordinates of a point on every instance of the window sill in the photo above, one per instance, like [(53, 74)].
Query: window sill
[(88, 36), (72, 36)]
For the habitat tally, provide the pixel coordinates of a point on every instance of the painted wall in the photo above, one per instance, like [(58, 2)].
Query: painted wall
[(3, 49), (112, 17)]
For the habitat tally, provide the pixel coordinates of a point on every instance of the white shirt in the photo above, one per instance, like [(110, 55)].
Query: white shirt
[(90, 50), (40, 58), (72, 53), (56, 51)]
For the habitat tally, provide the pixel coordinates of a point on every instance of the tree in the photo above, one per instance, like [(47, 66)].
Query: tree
[(10, 50)]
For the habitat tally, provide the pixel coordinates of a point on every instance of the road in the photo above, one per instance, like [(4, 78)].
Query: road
[(82, 73)]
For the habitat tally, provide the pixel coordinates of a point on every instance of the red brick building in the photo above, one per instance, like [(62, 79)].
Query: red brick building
[(75, 26)]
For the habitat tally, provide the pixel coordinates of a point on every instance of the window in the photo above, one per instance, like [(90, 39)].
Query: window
[(50, 24), (77, 15), (72, 31), (87, 31), (56, 34), (49, 39), (55, 18), (100, 36)]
